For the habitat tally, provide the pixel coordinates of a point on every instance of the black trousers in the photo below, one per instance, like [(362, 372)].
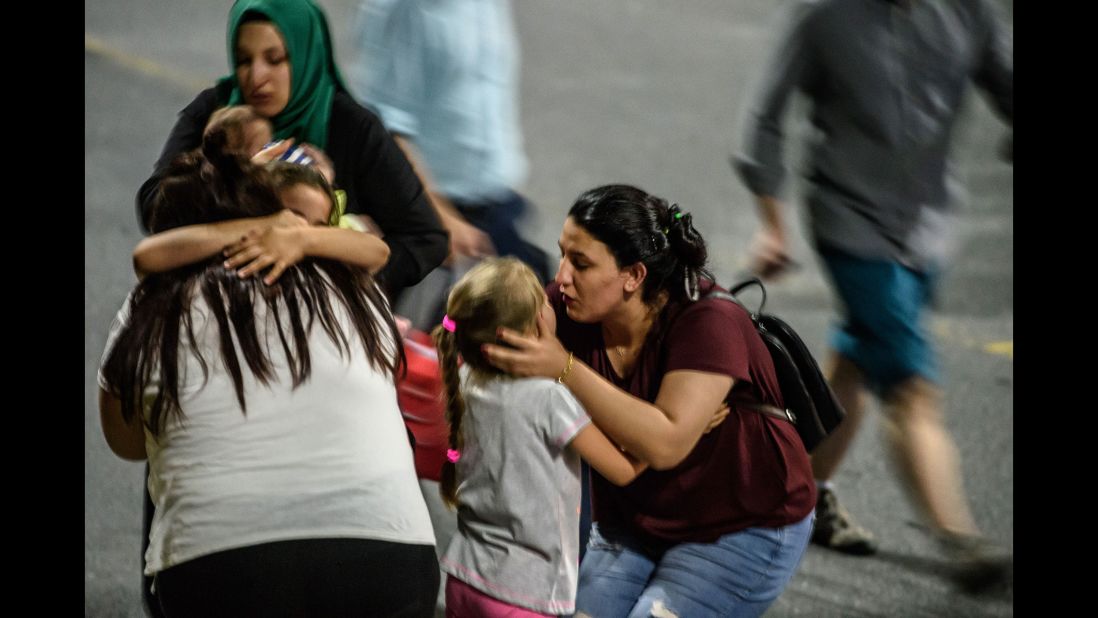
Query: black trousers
[(148, 597), (307, 577)]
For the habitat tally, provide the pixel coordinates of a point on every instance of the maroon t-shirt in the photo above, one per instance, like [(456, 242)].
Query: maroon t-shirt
[(750, 471)]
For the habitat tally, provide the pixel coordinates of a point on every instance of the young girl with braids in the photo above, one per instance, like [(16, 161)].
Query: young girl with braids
[(513, 469)]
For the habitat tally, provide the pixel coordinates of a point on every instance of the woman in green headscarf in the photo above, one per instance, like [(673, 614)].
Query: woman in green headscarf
[(280, 53)]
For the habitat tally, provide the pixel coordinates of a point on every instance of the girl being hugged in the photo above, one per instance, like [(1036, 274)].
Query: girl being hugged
[(514, 460)]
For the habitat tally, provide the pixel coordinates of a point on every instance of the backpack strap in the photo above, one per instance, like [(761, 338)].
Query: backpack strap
[(730, 298), (762, 408), (775, 411), (730, 295), (749, 282)]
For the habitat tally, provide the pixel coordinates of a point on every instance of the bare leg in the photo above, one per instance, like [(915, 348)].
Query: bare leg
[(928, 461), (835, 528), (849, 386), (927, 456)]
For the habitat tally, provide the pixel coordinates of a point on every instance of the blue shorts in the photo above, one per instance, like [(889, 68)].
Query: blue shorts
[(882, 331)]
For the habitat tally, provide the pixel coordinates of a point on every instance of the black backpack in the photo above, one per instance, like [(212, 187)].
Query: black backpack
[(810, 403)]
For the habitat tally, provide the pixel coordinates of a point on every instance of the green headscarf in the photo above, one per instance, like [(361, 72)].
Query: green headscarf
[(314, 78)]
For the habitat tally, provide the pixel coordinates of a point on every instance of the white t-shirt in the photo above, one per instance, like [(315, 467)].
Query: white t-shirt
[(328, 459), (519, 493)]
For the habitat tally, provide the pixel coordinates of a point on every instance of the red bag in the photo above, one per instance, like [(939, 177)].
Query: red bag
[(420, 396)]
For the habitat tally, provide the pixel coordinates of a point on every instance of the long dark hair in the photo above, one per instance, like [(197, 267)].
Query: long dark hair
[(215, 185), (639, 227)]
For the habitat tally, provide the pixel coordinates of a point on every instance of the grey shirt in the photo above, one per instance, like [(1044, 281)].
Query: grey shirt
[(519, 493), (884, 80)]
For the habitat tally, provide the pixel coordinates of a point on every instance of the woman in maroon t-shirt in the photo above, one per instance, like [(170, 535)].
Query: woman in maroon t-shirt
[(719, 523)]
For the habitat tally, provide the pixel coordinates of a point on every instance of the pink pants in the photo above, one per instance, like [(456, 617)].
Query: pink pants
[(464, 601)]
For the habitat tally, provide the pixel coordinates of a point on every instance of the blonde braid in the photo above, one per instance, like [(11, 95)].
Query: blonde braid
[(455, 409)]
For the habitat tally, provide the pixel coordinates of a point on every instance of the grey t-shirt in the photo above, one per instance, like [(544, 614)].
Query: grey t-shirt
[(885, 81), (519, 493)]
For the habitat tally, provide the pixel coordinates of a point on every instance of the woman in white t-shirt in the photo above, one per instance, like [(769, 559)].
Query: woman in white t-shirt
[(280, 467)]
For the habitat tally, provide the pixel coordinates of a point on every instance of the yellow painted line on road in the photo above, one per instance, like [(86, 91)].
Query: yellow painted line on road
[(948, 331), (1002, 348), (145, 66)]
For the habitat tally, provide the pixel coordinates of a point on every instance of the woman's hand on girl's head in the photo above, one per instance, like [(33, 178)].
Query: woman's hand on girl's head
[(548, 318), (539, 354)]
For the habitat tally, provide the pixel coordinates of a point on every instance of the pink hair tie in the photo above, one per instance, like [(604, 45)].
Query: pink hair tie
[(449, 325), (452, 455)]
